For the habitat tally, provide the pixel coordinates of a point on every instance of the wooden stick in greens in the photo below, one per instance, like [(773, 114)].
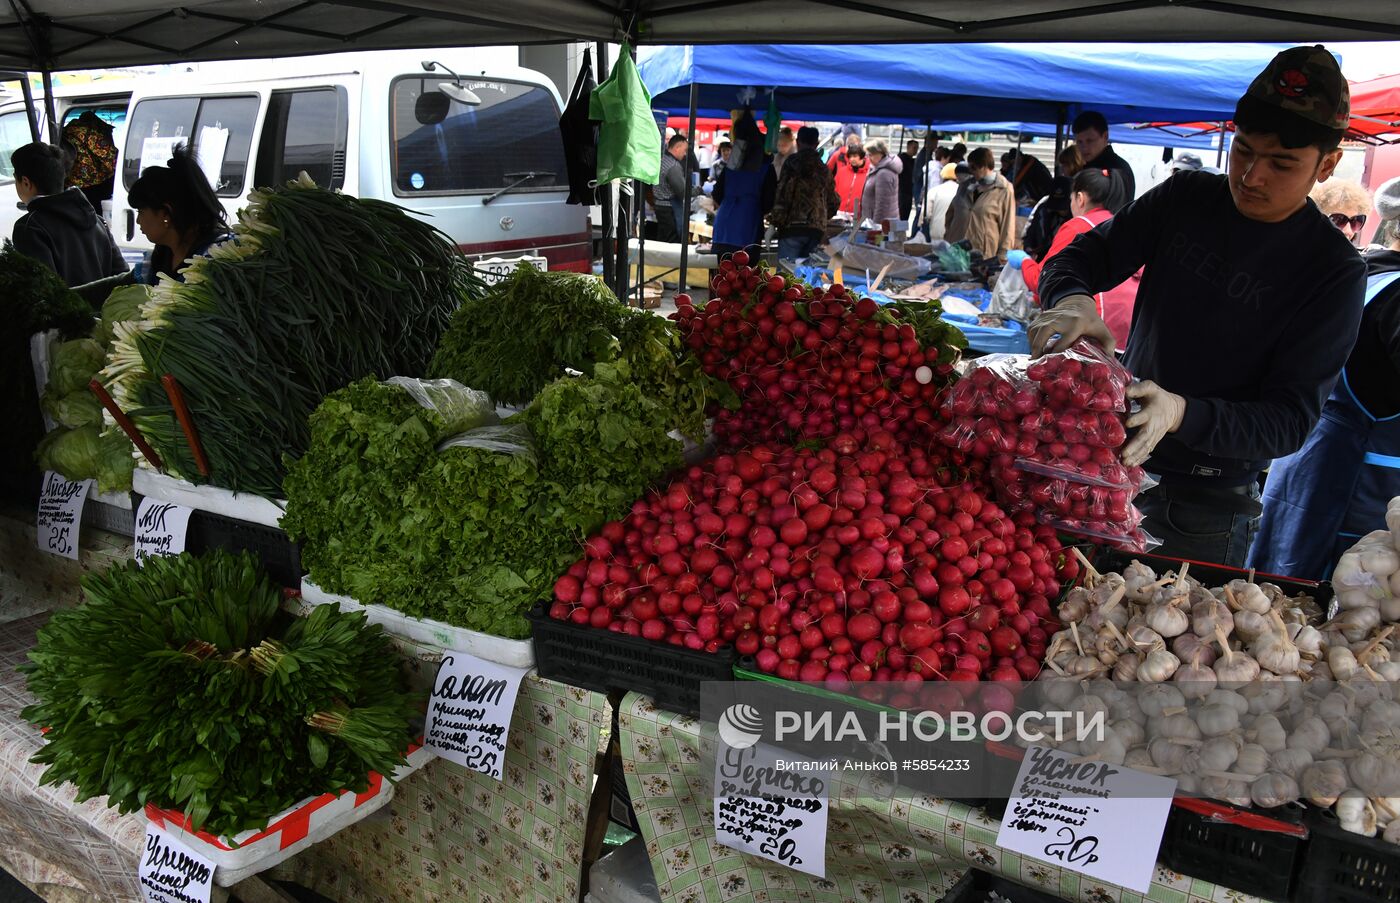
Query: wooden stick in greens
[(126, 425)]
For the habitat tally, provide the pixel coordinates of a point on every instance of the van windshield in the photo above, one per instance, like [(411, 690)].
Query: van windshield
[(441, 146)]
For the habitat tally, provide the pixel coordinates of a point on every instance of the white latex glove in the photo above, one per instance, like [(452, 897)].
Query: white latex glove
[(1074, 318), (1160, 413)]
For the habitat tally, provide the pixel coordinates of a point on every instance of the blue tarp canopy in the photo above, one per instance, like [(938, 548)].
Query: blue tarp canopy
[(959, 83), (1122, 133)]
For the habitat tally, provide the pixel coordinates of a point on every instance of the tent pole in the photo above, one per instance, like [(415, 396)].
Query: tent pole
[(54, 137), (605, 197), (1220, 151), (685, 233), (30, 111), (624, 235), (1059, 137), (639, 193)]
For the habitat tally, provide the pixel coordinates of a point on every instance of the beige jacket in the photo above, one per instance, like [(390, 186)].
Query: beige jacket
[(992, 226)]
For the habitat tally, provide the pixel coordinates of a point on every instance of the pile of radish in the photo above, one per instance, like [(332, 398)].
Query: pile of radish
[(1050, 431), (860, 561), (811, 363)]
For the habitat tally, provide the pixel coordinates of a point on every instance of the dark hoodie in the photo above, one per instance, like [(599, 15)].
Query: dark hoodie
[(66, 234)]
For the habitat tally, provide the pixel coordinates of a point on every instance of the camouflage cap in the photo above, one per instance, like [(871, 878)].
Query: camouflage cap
[(1307, 82)]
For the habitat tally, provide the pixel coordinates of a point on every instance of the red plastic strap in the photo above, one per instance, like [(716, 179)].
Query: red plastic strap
[(1225, 814)]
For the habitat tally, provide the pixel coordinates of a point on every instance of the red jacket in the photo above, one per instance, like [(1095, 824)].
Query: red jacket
[(850, 183), (1116, 304)]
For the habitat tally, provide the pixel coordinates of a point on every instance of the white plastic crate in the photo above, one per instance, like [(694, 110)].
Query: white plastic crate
[(237, 505), (516, 653), (308, 822)]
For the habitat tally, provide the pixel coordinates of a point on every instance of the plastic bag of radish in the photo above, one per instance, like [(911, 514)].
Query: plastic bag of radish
[(1051, 431)]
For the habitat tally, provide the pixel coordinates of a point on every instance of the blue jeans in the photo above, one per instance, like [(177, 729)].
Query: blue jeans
[(678, 210), (795, 247), (1220, 533)]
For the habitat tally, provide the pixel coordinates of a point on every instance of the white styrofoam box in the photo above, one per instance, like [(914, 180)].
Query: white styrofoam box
[(40, 352), (237, 505), (308, 822), (115, 499), (624, 876), (516, 653)]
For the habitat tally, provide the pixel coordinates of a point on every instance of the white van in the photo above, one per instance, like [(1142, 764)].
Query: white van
[(108, 99), (482, 160)]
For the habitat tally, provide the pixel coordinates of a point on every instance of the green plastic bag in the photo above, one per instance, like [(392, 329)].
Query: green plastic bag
[(629, 143)]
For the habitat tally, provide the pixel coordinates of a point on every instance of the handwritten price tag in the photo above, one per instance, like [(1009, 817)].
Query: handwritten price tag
[(61, 514), (171, 872), (1101, 820), (771, 812), (470, 710), (161, 528)]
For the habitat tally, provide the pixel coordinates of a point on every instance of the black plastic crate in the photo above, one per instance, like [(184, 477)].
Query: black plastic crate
[(1216, 574), (1258, 851), (605, 661), (280, 557), (1342, 867), (976, 884)]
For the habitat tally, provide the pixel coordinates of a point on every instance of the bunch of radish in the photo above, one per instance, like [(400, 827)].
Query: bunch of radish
[(861, 561), (811, 363), (1050, 431)]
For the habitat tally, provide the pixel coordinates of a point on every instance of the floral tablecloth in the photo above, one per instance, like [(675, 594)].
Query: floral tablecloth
[(908, 850), (32, 581), (454, 835)]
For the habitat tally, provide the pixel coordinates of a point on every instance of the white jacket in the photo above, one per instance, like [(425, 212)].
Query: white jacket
[(936, 207)]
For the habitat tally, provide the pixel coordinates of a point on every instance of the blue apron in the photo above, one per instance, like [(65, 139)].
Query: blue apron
[(739, 219), (1319, 500)]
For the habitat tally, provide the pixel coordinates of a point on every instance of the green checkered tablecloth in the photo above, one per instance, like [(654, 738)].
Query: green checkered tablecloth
[(896, 850)]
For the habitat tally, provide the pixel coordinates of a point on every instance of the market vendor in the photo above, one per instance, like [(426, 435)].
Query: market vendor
[(1248, 307), (178, 212), (1320, 499)]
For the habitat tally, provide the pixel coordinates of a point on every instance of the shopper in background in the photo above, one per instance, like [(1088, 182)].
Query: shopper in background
[(991, 226), (1030, 179), (959, 216), (1091, 138), (880, 198), (1345, 203), (805, 199), (1186, 162), (957, 153), (1321, 498), (786, 147), (669, 192), (722, 152), (1090, 191), (838, 156), (906, 178), (850, 177), (1052, 211), (940, 198), (744, 192), (60, 229), (1247, 311), (88, 139)]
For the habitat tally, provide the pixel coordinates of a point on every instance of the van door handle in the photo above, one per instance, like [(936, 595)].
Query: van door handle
[(130, 224)]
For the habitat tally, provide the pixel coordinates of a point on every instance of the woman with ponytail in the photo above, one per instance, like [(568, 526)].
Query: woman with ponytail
[(178, 212), (1093, 194)]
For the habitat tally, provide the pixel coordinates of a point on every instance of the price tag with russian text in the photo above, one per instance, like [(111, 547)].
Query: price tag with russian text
[(777, 813), (61, 514), (171, 872), (161, 528), (470, 710)]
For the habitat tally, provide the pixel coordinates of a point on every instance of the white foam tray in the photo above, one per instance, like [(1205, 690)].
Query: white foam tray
[(237, 505), (516, 653), (308, 822)]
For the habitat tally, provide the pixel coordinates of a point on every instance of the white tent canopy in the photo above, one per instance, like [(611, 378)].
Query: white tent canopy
[(59, 35)]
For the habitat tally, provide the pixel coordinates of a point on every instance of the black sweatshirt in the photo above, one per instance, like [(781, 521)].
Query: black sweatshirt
[(1251, 322), (66, 234), (1373, 370)]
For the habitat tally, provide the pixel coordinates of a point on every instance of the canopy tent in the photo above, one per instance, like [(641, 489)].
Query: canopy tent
[(53, 35), (1375, 106), (1120, 133), (959, 83)]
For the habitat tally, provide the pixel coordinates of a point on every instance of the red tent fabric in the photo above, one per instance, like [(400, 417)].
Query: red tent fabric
[(1377, 99)]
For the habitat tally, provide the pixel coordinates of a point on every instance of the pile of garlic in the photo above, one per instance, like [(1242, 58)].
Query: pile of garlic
[(1137, 626)]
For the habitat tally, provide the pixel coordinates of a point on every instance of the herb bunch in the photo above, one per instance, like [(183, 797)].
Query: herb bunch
[(180, 683)]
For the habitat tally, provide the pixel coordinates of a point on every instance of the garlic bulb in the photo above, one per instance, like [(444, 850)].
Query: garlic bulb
[(1195, 679), (1322, 782), (1231, 698), (1274, 650), (1139, 757), (1206, 616), (1273, 790), (1125, 669), (1356, 814), (1381, 717), (1335, 709), (1392, 832), (1341, 661), (1250, 625), (1110, 748), (1253, 759), (1235, 669), (1168, 756), (1216, 719), (1180, 726), (1220, 753), (1130, 732), (1144, 638), (1075, 605), (1168, 620), (1220, 788), (1357, 623), (1374, 775), (1310, 734), (1248, 596), (1188, 646), (1268, 733), (1188, 783), (1058, 691), (1156, 700), (1291, 762), (1308, 640), (1138, 581), (1159, 665), (1089, 706)]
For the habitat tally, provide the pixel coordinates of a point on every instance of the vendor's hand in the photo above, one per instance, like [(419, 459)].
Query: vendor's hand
[(1074, 318), (1015, 258), (1160, 413)]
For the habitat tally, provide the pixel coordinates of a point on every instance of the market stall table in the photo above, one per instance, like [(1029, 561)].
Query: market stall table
[(902, 851)]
